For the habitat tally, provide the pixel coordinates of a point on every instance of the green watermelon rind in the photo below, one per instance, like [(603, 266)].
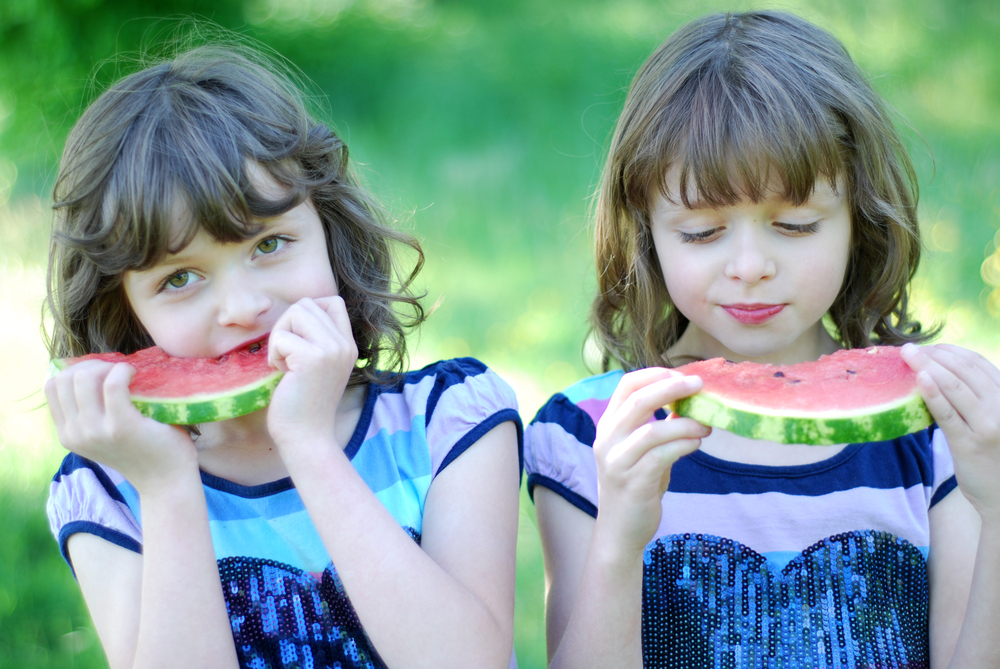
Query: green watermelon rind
[(205, 407), (880, 423)]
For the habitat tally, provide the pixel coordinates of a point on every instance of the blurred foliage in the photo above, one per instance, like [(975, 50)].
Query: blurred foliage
[(481, 124)]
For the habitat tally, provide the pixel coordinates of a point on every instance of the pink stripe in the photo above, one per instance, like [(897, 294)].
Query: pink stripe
[(594, 408), (944, 467), (773, 521), (80, 496), (394, 411), (463, 407)]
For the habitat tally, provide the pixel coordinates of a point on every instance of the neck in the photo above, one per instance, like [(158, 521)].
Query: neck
[(241, 449)]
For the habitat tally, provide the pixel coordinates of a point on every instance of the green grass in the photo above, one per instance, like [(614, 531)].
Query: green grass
[(481, 124)]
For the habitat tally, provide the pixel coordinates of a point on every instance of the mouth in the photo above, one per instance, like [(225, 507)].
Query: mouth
[(251, 345), (753, 314)]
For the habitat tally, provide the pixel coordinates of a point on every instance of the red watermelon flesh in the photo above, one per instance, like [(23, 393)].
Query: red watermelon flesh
[(849, 396), (195, 390)]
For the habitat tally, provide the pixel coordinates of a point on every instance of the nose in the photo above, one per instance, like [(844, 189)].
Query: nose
[(751, 259), (241, 300)]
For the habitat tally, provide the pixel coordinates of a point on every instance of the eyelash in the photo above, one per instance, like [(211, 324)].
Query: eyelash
[(705, 235), (163, 286)]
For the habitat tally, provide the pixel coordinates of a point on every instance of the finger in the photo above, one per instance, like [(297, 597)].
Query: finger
[(941, 382), (973, 369), (87, 386), (336, 308), (66, 393), (667, 455), (117, 398), (633, 381), (308, 320), (945, 414), (624, 455), (637, 409), (52, 399)]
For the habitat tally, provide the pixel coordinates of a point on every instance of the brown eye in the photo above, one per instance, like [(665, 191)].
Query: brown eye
[(180, 279)]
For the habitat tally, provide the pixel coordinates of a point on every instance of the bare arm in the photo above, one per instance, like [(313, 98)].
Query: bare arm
[(962, 392), (594, 568), (164, 608), (593, 603), (446, 603), (144, 605), (450, 601)]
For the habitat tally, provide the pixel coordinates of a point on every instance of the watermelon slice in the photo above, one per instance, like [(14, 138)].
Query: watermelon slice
[(186, 391), (850, 396)]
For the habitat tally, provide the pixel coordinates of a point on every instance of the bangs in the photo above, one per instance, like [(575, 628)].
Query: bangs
[(187, 170), (192, 157), (731, 140)]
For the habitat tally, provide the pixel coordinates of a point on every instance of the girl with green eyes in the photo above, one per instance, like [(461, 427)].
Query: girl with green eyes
[(368, 516)]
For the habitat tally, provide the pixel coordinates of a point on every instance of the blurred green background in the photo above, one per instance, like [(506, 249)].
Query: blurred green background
[(481, 125)]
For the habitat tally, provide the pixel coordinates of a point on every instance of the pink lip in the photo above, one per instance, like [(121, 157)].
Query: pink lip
[(753, 314)]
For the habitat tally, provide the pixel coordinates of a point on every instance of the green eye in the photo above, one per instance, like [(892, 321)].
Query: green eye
[(269, 245), (179, 280)]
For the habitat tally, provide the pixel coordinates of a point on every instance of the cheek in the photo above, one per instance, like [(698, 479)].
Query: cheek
[(823, 274), (316, 278)]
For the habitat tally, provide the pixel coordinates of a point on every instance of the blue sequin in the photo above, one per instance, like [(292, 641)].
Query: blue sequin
[(858, 600)]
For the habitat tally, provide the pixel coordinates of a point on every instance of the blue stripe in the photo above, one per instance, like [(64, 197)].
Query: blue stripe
[(857, 465), (292, 539), (405, 501), (595, 388), (246, 491), (476, 433), (448, 374), (387, 458), (73, 462), (576, 500), (571, 418), (88, 527), (223, 505), (946, 487)]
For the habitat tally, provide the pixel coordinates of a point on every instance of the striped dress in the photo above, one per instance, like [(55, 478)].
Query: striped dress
[(286, 604), (818, 565)]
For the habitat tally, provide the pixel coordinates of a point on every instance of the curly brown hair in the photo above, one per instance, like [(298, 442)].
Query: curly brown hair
[(734, 102), (182, 130)]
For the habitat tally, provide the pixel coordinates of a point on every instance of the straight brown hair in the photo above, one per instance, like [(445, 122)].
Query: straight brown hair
[(180, 132), (736, 103)]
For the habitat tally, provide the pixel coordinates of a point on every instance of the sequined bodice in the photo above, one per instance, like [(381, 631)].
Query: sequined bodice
[(858, 600)]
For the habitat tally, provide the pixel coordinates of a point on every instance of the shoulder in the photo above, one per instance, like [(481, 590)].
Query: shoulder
[(458, 377), (558, 445), (450, 403), (578, 408), (85, 496)]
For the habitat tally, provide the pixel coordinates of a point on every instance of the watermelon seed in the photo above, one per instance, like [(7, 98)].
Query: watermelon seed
[(778, 375), (256, 347), (796, 381), (851, 371)]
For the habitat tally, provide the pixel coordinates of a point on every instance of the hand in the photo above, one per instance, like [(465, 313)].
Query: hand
[(635, 456), (313, 344), (95, 419), (962, 391)]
